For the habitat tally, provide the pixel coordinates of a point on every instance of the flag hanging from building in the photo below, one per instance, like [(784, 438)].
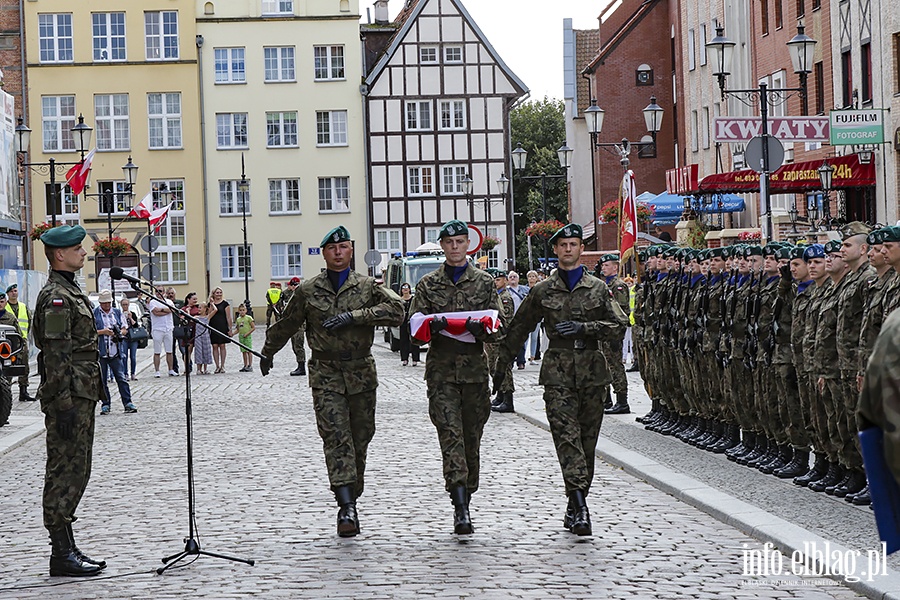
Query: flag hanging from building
[(143, 208), (77, 176), (629, 217), (156, 217)]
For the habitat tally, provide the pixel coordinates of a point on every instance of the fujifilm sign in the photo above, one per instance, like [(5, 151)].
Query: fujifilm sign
[(850, 127)]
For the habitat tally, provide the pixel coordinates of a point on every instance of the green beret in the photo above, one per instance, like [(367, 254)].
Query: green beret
[(752, 250), (670, 252), (890, 234), (832, 246), (717, 252), (854, 228), (609, 258), (796, 252), (643, 255), (497, 273), (453, 228), (63, 236), (338, 234), (572, 230), (783, 253), (770, 249), (12, 287)]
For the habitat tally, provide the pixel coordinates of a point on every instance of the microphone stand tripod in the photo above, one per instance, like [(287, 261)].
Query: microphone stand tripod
[(191, 543)]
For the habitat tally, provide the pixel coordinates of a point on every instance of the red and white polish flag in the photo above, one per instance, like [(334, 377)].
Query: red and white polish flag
[(420, 325)]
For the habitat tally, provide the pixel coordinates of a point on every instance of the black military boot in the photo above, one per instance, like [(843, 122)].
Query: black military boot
[(834, 475), (347, 518), (101, 564), (569, 517), (687, 429), (653, 414), (652, 421), (621, 406), (798, 466), (782, 456), (731, 437), (462, 523), (63, 561), (607, 404), (831, 489), (817, 472), (854, 484), (300, 370), (507, 405), (861, 498), (747, 440), (497, 400), (24, 396), (758, 450), (699, 432), (581, 523), (714, 433)]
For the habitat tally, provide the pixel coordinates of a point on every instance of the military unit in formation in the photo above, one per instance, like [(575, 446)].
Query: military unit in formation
[(758, 352)]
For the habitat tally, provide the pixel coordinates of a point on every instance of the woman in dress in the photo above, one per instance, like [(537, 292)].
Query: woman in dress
[(191, 306), (203, 356), (221, 328)]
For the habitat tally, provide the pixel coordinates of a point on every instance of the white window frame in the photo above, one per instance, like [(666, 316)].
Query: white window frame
[(331, 128), (230, 199), (493, 255), (415, 116), (283, 67), (116, 189), (234, 62), (280, 196), (420, 180), (287, 260), (333, 67), (702, 44), (455, 113), (277, 7), (172, 233), (113, 127), (71, 208), (692, 61), (55, 38), (431, 235), (334, 194), (453, 49), (233, 263), (57, 121), (695, 131), (167, 121), (454, 175), (112, 37), (161, 40), (389, 241), (281, 129), (231, 131), (429, 55), (706, 125)]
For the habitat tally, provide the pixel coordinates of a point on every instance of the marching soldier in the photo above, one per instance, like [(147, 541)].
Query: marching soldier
[(23, 316), (612, 349), (456, 372), (71, 385), (297, 340), (578, 313), (504, 401), (340, 310)]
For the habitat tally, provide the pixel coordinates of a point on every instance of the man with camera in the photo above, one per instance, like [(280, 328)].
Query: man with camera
[(111, 330)]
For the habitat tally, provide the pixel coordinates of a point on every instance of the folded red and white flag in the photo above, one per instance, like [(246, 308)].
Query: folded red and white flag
[(420, 325)]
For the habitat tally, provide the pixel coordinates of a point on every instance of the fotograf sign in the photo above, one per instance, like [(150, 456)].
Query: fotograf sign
[(850, 127), (786, 129)]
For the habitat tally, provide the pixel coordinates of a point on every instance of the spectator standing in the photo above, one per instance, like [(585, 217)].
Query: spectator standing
[(245, 327), (111, 330), (176, 321), (518, 293), (273, 302), (161, 330), (220, 329), (191, 306), (534, 338), (129, 346), (202, 346), (406, 346)]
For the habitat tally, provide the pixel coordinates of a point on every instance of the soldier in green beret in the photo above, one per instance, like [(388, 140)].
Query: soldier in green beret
[(504, 401), (578, 313), (70, 387), (340, 310), (890, 248), (612, 349), (23, 316), (456, 372)]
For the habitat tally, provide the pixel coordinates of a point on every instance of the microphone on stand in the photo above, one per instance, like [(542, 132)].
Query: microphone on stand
[(119, 273)]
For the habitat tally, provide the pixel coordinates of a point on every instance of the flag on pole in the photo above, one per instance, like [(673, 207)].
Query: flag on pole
[(77, 176), (159, 215), (143, 208), (629, 217)]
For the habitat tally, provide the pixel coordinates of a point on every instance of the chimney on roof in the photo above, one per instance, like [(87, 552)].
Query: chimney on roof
[(381, 12)]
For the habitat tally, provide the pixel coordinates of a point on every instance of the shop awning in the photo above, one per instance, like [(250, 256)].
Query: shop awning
[(667, 208), (794, 177)]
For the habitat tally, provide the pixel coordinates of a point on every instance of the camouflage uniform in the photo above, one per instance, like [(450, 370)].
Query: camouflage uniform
[(297, 344), (65, 333), (341, 370), (879, 402), (873, 317), (767, 401), (456, 373), (612, 347), (825, 366), (507, 310), (574, 373)]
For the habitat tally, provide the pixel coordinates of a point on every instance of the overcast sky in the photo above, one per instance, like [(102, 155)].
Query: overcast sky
[(528, 35)]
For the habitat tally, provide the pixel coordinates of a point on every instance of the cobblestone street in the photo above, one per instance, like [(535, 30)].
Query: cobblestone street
[(262, 493)]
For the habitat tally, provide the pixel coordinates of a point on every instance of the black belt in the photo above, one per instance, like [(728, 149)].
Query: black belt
[(91, 355), (579, 344), (446, 344), (343, 355)]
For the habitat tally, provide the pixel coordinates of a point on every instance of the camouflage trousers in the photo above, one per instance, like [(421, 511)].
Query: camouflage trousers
[(804, 416), (786, 389), (346, 425), (23, 379), (822, 414), (575, 417), (298, 347), (68, 465), (612, 351), (847, 427), (459, 412), (739, 394), (493, 352)]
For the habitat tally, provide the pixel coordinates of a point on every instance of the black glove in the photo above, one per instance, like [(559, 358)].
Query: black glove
[(570, 329), (438, 325), (498, 377), (785, 272), (65, 423), (338, 321), (474, 327), (265, 365)]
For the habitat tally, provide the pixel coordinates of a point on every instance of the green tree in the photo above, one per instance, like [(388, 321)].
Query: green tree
[(540, 126)]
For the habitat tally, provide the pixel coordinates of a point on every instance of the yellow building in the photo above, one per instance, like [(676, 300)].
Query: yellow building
[(131, 70), (281, 92)]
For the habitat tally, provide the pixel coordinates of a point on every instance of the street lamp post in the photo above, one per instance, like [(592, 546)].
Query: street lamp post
[(593, 116), (519, 159), (244, 189), (826, 174), (802, 49)]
